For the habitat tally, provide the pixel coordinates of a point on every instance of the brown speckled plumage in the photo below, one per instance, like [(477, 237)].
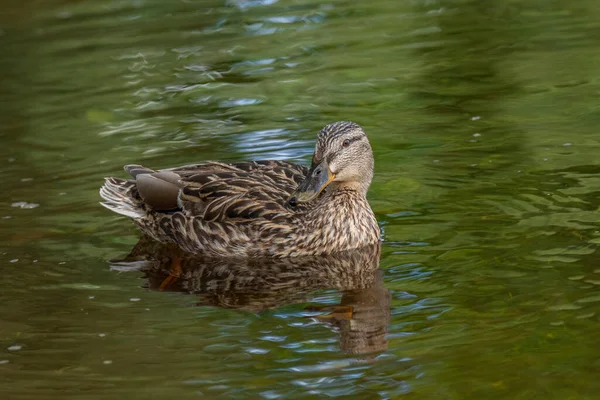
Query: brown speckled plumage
[(242, 210)]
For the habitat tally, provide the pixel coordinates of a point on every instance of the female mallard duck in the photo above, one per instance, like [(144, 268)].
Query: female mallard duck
[(258, 209)]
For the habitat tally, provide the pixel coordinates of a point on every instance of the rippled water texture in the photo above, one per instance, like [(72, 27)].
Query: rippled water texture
[(483, 116)]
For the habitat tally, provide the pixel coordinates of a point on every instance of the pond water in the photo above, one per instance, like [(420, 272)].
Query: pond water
[(484, 122)]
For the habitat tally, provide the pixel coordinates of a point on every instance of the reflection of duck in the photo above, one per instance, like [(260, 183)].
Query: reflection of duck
[(258, 209), (362, 318), (257, 285)]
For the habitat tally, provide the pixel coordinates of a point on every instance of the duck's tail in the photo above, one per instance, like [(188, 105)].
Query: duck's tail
[(120, 196)]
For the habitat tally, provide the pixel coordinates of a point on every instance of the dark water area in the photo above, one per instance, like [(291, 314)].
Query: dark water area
[(483, 118)]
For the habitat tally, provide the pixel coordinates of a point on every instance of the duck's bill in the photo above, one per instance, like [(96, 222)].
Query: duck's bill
[(318, 178)]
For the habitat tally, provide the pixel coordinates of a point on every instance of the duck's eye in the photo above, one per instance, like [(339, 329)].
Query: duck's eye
[(346, 143)]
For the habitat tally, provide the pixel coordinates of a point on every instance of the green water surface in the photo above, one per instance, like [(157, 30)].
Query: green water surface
[(484, 118)]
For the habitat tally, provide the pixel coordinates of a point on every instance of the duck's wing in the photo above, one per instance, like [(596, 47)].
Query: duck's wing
[(218, 191), (247, 190)]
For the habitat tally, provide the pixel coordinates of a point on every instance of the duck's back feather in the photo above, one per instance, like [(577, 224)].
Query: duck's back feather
[(220, 192), (213, 191)]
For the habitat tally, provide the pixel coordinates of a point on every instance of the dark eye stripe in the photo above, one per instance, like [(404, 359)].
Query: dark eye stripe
[(352, 140)]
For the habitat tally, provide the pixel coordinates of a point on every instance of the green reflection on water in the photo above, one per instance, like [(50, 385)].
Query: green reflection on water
[(483, 118)]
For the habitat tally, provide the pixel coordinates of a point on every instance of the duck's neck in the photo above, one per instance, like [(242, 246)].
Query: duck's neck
[(348, 187), (348, 196), (353, 188), (349, 220), (341, 219)]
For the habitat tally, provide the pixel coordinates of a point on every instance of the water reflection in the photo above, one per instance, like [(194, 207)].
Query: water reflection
[(361, 317)]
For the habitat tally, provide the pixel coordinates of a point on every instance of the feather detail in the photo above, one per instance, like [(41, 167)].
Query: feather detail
[(120, 196)]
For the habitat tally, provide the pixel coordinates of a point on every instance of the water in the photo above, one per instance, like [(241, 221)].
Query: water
[(483, 118)]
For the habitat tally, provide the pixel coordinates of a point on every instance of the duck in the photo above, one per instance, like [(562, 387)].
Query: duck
[(257, 209)]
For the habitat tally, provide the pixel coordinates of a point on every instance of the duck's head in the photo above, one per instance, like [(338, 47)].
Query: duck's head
[(343, 158)]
